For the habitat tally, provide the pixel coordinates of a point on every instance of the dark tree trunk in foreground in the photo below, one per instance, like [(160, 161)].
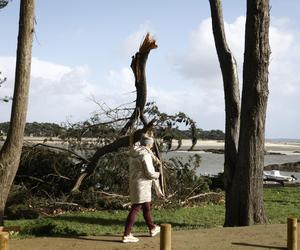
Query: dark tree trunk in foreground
[(232, 103), (249, 202), (244, 170), (11, 151)]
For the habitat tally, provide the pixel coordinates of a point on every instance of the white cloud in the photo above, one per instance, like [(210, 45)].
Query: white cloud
[(58, 92), (48, 70), (200, 62), (200, 66), (280, 42), (190, 65), (121, 80), (133, 41), (204, 107)]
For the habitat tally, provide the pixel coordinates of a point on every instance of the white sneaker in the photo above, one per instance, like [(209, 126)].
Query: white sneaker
[(129, 239), (155, 231)]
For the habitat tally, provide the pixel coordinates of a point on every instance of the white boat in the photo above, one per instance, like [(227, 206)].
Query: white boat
[(275, 175)]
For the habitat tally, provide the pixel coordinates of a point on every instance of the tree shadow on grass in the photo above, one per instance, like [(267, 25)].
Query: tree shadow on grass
[(113, 238), (118, 222), (57, 227), (89, 220), (108, 239), (257, 245), (283, 202)]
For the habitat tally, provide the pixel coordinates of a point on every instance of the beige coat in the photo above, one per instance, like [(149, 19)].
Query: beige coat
[(141, 175)]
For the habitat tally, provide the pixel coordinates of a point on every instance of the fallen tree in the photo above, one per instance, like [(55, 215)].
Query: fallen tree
[(97, 167), (138, 66)]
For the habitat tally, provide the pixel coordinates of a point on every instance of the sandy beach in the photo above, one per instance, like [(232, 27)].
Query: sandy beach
[(271, 146), (285, 147)]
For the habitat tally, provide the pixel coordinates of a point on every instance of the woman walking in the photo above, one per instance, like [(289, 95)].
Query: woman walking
[(141, 176)]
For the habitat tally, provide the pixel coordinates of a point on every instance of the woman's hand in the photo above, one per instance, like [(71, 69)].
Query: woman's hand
[(160, 194)]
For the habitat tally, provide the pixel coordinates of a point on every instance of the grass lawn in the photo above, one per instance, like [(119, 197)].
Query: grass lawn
[(280, 203)]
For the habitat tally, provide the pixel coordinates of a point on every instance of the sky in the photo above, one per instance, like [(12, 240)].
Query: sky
[(82, 53)]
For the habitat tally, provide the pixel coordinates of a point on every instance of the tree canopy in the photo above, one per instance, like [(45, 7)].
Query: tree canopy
[(3, 3)]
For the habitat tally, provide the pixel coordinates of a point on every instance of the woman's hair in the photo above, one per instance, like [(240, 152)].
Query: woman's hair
[(146, 140)]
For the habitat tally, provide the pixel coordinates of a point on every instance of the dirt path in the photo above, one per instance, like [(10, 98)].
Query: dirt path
[(255, 237)]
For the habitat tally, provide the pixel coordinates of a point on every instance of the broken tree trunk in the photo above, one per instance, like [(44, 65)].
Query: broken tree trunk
[(138, 66)]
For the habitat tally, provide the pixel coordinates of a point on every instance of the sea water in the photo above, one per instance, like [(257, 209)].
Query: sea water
[(212, 164)]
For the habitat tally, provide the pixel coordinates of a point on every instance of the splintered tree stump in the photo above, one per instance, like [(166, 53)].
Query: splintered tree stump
[(138, 66)]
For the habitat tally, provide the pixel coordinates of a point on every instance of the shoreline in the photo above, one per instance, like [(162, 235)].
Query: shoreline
[(271, 147)]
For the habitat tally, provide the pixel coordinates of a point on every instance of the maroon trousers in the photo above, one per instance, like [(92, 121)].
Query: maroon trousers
[(135, 209)]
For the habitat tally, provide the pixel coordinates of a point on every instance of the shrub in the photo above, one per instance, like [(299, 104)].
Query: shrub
[(46, 172), (20, 211), (47, 176), (182, 179)]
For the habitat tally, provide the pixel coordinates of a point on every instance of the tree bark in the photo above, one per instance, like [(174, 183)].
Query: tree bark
[(11, 151), (249, 202), (232, 104), (138, 66), (244, 164)]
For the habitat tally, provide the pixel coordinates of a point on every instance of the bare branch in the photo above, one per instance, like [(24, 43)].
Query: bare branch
[(3, 3), (79, 157), (66, 203), (107, 123), (199, 196), (112, 147), (111, 194), (32, 178)]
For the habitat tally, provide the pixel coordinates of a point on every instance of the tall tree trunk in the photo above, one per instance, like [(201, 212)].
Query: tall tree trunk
[(244, 167), (11, 150), (249, 202), (232, 104)]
